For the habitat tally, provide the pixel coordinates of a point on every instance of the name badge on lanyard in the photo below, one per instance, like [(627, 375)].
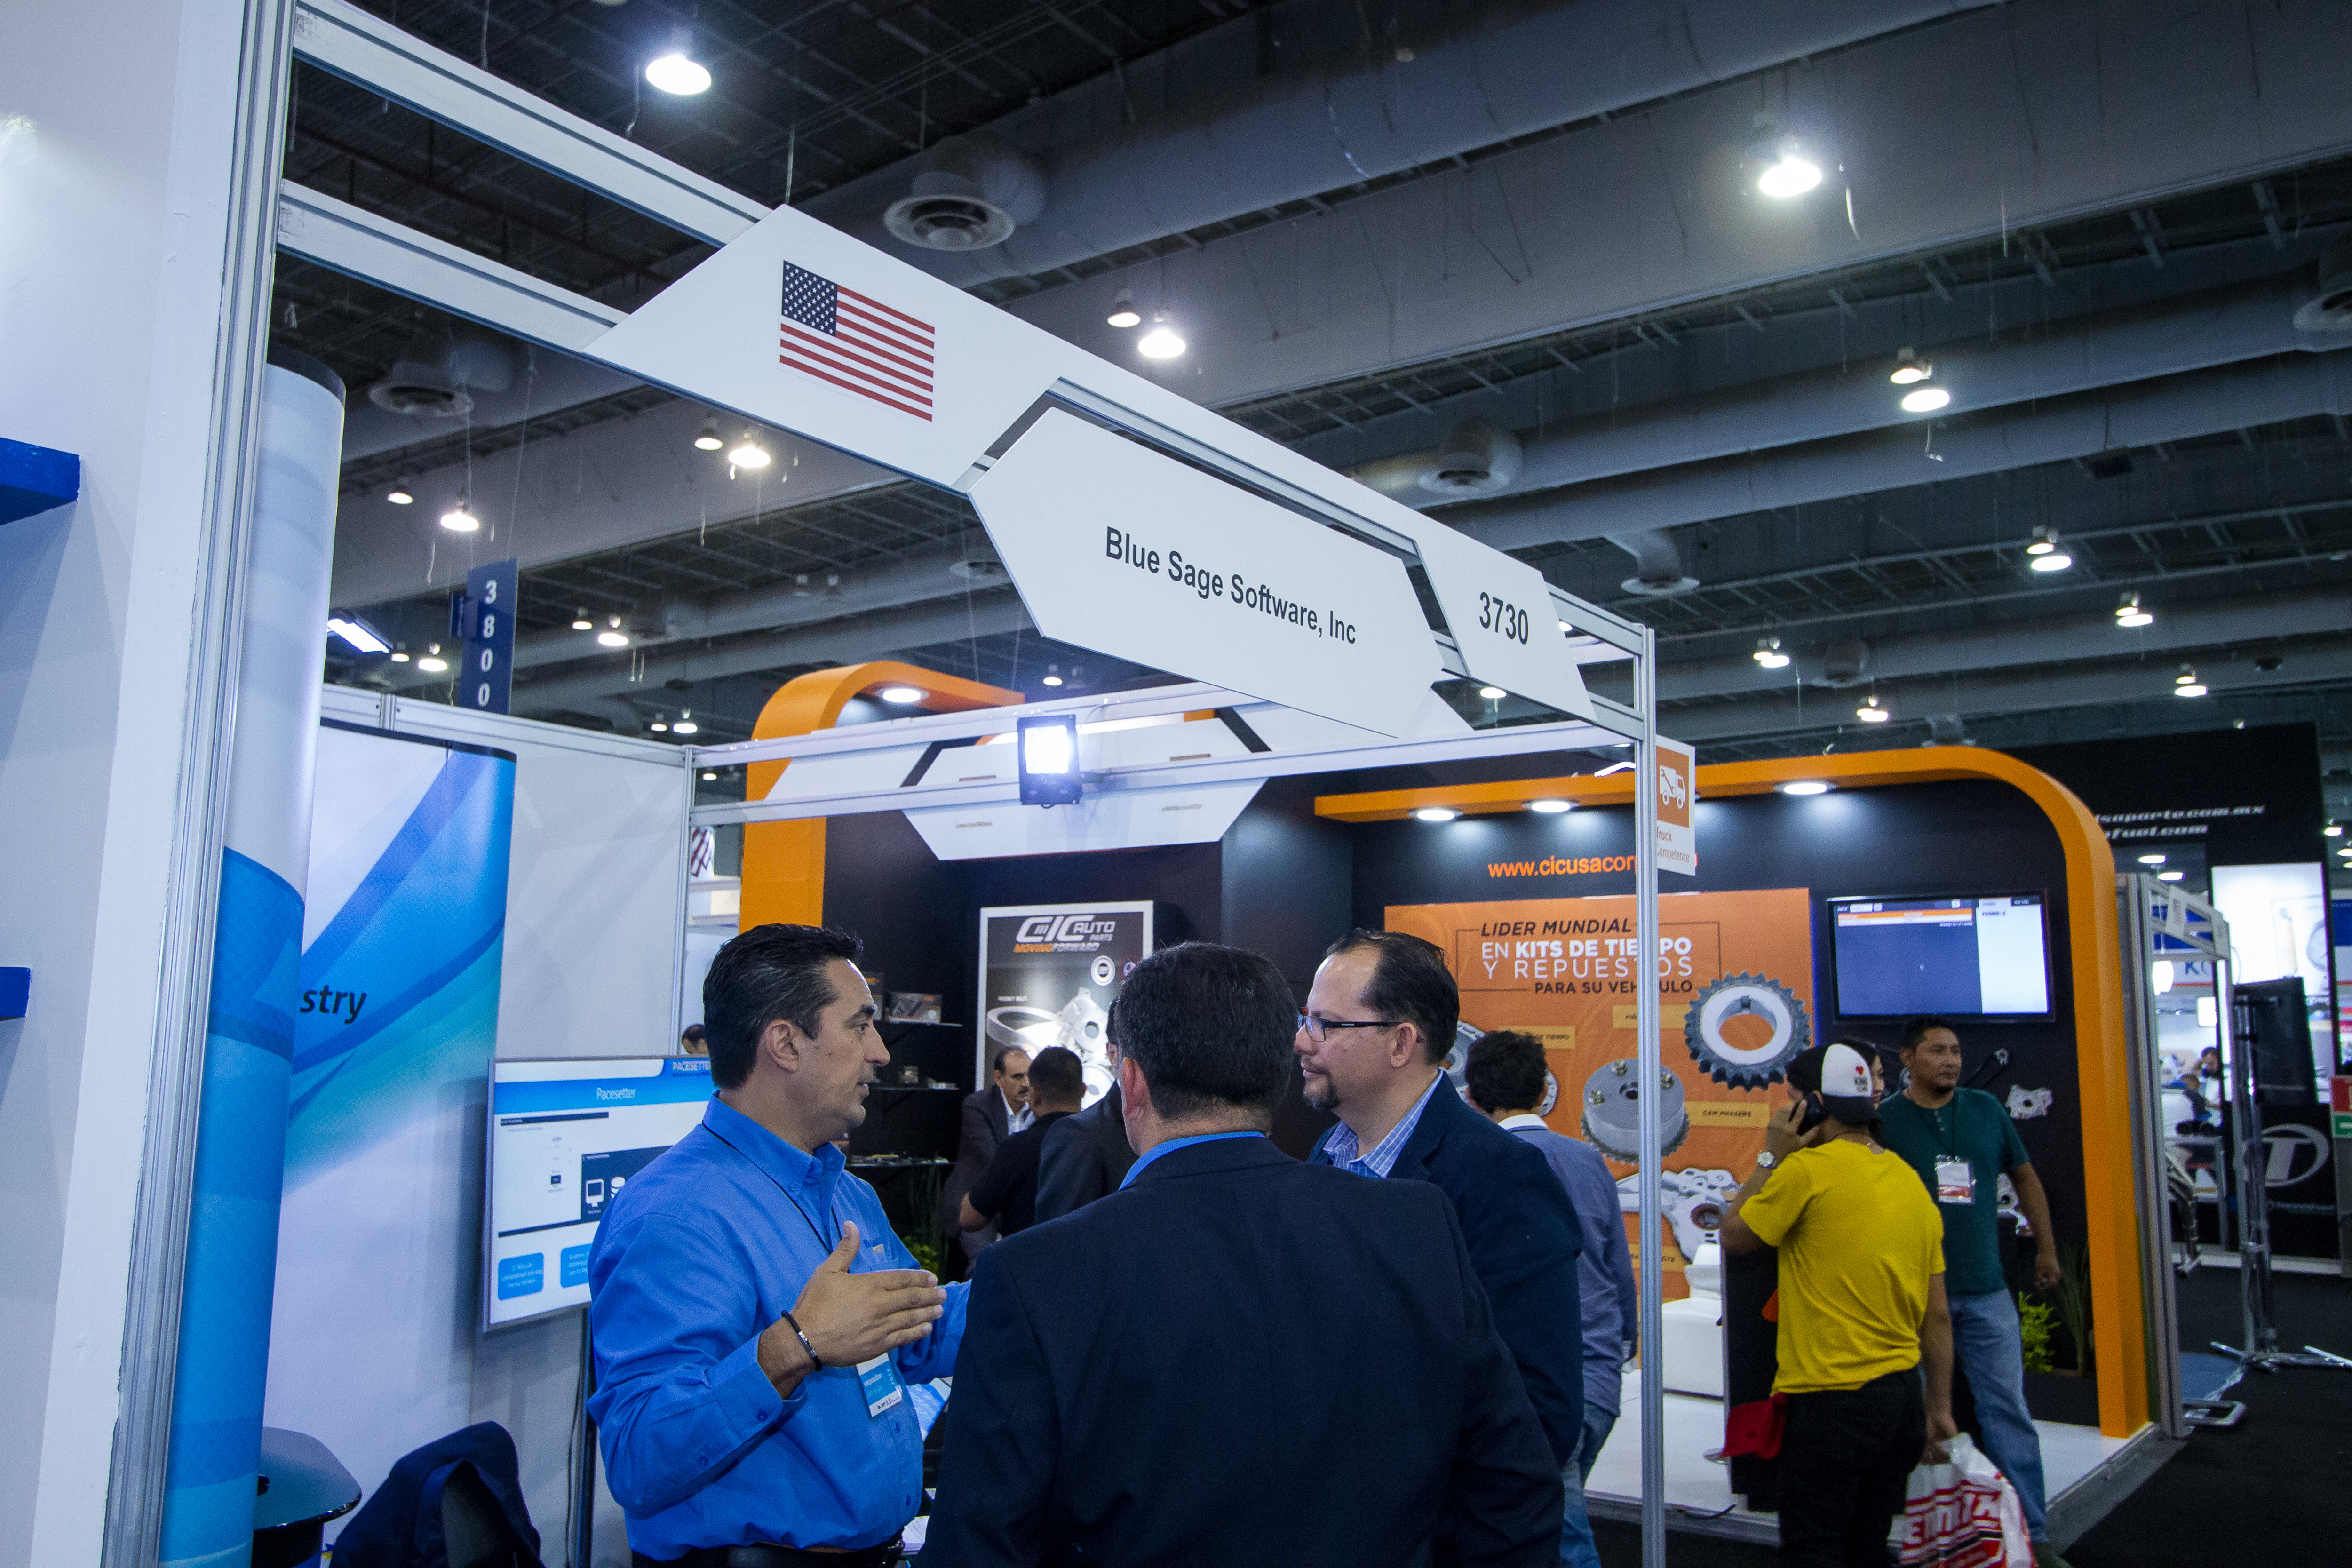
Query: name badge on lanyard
[(879, 1381), (1956, 1181)]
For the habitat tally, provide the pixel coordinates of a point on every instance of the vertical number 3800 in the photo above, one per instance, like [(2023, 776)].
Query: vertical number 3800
[(1499, 615)]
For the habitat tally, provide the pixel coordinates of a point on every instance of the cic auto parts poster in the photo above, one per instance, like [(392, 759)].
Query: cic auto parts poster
[(1734, 973), (1047, 975)]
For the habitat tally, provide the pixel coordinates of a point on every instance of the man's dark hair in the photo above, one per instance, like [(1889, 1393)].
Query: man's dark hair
[(1917, 1029), (996, 1062), (1505, 1072), (1410, 984), (769, 973), (692, 1034), (1055, 1074), (1211, 1028)]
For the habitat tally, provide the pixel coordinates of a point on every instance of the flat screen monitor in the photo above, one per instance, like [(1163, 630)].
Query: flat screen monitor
[(1976, 957), (565, 1137)]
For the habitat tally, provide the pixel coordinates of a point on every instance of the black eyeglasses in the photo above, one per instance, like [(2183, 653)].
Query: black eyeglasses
[(1316, 1026)]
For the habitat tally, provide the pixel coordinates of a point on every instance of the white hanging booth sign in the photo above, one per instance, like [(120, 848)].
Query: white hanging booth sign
[(797, 326)]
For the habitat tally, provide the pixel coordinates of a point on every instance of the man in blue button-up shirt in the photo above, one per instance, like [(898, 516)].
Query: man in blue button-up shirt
[(755, 1321)]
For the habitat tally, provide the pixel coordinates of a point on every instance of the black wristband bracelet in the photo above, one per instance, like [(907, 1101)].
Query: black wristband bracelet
[(816, 1362)]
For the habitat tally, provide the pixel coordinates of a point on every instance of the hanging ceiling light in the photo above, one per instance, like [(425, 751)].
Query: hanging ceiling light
[(685, 724), (1123, 314), (833, 593), (2129, 614), (659, 727), (1161, 342), (1909, 368), (612, 636), (1769, 654), (1053, 675), (2333, 830), (461, 518), (432, 663), (1926, 399), (2169, 876), (2153, 860), (400, 654), (800, 586), (1786, 172), (678, 71), (748, 454), (709, 440), (403, 491), (1492, 693), (2186, 683), (1435, 814), (2044, 553), (581, 623), (1871, 713)]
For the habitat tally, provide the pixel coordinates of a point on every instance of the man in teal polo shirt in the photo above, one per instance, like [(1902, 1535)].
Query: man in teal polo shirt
[(1961, 1141)]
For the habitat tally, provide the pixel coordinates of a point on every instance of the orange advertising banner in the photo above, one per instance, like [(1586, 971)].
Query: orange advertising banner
[(1735, 992)]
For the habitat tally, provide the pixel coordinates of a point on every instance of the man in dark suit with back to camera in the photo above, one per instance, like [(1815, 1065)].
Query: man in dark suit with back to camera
[(1378, 1021), (991, 1113), (1236, 1358), (1087, 1156)]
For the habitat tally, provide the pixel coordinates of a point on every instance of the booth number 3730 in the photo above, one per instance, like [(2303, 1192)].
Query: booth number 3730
[(1503, 617)]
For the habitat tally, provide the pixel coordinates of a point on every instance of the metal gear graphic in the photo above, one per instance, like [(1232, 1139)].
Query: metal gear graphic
[(1613, 1112), (1752, 996)]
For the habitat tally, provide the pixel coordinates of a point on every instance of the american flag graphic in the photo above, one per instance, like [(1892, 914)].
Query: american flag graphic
[(862, 345)]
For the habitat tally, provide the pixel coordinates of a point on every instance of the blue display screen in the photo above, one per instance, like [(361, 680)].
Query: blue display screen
[(1973, 957)]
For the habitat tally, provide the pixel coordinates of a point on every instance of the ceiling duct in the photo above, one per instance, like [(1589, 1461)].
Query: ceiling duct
[(1658, 561), (1237, 138), (1477, 458), (977, 562), (2330, 312), (1843, 663), (422, 382), (973, 191)]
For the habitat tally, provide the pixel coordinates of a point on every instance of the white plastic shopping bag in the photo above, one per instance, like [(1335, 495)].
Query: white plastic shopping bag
[(1962, 1514)]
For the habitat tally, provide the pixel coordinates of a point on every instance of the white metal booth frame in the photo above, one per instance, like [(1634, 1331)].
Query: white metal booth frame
[(1362, 698)]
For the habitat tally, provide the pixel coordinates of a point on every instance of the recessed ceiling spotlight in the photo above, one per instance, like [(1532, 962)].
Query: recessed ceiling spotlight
[(1551, 807), (403, 491), (1492, 693), (1926, 400), (1161, 342), (709, 439), (902, 695), (1910, 368), (676, 71), (1805, 786), (2152, 859), (1769, 654), (748, 454), (1123, 314), (2128, 614), (1871, 713), (1435, 814), (461, 518)]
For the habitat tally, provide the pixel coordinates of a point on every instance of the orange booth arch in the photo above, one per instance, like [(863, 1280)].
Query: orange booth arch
[(783, 862), (2119, 1316)]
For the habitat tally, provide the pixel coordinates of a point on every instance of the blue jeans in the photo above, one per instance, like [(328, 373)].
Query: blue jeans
[(1576, 1545), (1989, 1349)]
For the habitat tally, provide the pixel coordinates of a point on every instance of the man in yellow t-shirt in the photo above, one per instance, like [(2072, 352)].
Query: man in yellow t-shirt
[(1861, 1312)]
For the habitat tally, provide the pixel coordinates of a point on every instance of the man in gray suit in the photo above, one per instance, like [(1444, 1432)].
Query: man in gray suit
[(998, 1110)]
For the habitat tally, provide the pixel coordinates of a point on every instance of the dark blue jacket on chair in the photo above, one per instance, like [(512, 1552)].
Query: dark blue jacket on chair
[(1239, 1359), (1524, 1243)]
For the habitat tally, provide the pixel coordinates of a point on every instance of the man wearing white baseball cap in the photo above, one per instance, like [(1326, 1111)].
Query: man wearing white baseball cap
[(1861, 1310)]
